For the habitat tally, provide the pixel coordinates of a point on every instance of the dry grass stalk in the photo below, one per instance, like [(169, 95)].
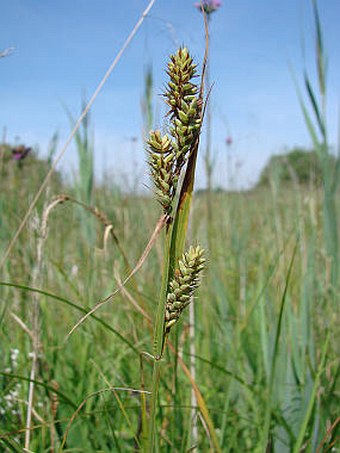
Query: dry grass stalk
[(35, 328)]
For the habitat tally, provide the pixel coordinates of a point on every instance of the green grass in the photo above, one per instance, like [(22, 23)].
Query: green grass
[(265, 334), (266, 359)]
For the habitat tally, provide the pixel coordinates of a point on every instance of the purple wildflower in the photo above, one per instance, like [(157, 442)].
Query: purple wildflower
[(229, 140), (209, 6), (20, 152)]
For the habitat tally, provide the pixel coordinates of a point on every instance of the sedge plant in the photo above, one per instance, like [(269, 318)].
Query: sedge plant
[(172, 161)]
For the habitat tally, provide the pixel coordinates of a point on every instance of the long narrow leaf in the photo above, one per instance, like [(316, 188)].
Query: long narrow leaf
[(304, 425), (314, 103), (77, 307), (321, 64), (268, 414), (41, 384), (308, 120)]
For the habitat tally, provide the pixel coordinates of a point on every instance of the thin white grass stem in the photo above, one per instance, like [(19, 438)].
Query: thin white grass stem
[(30, 401), (74, 130), (35, 329), (206, 429), (22, 325)]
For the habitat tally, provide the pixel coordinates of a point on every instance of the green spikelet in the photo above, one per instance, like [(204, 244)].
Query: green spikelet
[(161, 161), (183, 285), (181, 71), (182, 98), (167, 156)]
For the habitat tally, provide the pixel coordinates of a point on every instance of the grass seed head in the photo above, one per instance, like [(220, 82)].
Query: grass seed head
[(161, 161), (184, 284), (167, 155), (183, 99)]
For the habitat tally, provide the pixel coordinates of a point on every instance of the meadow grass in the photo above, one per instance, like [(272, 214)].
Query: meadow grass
[(265, 328), (255, 369)]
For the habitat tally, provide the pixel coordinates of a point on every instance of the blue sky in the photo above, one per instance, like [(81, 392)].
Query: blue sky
[(63, 48)]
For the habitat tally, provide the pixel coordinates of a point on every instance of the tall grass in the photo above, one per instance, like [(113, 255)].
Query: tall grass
[(84, 177), (315, 115), (236, 325), (266, 356)]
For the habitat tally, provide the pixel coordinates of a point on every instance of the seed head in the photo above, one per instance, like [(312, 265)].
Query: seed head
[(161, 161), (183, 285), (185, 107), (168, 154)]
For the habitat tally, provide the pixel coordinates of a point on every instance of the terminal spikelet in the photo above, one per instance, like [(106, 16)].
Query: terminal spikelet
[(183, 285), (182, 98)]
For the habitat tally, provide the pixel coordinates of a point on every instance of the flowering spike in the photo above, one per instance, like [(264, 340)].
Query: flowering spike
[(186, 280), (161, 160), (182, 98), (167, 156)]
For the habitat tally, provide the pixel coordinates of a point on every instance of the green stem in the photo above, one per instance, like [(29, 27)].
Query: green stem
[(312, 398), (156, 376), (159, 340), (269, 408), (331, 233)]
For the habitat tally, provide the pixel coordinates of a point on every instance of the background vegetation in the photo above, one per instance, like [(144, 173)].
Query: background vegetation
[(255, 368), (263, 320), (298, 165)]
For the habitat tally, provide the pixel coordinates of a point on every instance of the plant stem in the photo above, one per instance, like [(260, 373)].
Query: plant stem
[(159, 340), (156, 375), (207, 157)]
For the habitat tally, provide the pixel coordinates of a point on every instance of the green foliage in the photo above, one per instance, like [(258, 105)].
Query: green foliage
[(314, 110), (147, 101), (267, 368), (84, 178), (84, 145), (298, 165), (25, 174), (237, 318)]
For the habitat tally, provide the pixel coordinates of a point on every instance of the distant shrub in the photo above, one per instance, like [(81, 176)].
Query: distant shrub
[(299, 164)]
